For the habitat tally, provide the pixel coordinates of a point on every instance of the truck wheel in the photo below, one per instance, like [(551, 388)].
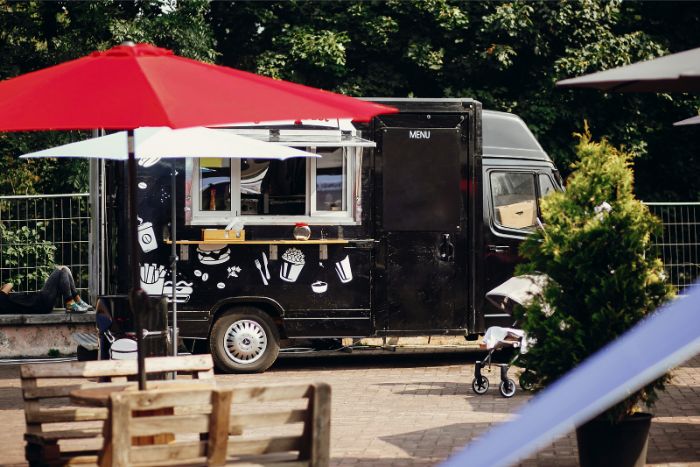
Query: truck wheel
[(244, 340)]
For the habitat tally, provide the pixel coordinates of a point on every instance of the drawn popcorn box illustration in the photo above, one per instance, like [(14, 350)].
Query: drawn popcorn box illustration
[(292, 264)]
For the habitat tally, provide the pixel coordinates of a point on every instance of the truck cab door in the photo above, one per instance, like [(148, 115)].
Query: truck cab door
[(511, 212)]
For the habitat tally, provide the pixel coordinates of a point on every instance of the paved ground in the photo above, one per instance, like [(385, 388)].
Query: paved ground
[(414, 408)]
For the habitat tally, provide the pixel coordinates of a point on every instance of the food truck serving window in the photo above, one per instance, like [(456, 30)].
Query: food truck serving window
[(260, 191)]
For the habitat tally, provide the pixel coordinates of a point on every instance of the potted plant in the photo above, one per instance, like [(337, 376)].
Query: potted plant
[(603, 277)]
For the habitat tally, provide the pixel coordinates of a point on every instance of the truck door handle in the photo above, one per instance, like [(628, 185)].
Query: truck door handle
[(447, 248), (499, 248)]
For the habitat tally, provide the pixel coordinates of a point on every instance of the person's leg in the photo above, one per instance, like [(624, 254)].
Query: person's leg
[(57, 284), (74, 291), (70, 280)]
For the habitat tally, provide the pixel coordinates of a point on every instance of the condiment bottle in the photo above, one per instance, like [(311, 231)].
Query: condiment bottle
[(302, 231)]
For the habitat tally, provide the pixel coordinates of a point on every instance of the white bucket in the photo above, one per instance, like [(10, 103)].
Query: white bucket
[(123, 349)]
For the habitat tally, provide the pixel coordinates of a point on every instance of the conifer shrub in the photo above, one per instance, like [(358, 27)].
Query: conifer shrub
[(604, 272)]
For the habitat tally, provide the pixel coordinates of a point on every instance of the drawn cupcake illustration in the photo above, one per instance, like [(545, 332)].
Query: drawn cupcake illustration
[(292, 264)]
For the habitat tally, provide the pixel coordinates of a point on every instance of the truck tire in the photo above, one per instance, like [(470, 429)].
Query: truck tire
[(244, 340)]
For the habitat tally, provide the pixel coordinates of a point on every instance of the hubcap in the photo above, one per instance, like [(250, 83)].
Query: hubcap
[(245, 341)]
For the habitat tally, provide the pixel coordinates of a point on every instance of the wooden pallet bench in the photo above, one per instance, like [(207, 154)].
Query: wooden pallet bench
[(61, 433), (282, 425)]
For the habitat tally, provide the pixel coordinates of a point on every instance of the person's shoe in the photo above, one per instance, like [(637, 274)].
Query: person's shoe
[(75, 308), (83, 303)]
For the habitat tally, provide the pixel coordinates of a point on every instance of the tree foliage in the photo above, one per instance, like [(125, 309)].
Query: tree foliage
[(604, 276), (34, 35), (24, 246), (507, 55)]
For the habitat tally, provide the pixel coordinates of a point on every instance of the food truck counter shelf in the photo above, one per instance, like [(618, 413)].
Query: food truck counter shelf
[(263, 242)]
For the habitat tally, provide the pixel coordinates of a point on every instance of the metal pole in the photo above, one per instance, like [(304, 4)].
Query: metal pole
[(134, 297), (173, 256)]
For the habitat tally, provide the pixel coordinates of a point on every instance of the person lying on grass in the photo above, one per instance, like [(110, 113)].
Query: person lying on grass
[(60, 282)]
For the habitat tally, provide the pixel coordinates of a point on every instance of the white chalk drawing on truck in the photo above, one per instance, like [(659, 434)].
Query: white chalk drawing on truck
[(146, 236), (183, 291), (292, 263), (342, 268), (153, 278), (211, 255)]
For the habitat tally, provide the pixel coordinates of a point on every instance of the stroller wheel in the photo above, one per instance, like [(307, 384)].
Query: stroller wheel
[(480, 385), (507, 388)]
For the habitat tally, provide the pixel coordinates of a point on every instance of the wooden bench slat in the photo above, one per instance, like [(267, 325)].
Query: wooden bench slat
[(79, 414), (185, 363), (191, 450), (49, 392), (165, 398), (51, 437), (244, 446), (147, 426), (265, 419)]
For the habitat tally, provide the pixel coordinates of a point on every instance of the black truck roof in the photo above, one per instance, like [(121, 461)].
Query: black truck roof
[(507, 135), (504, 134)]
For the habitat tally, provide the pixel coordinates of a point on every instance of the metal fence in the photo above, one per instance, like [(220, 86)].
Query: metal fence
[(63, 221), (31, 226), (679, 244)]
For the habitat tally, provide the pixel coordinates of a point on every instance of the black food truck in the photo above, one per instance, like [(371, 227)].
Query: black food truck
[(413, 216)]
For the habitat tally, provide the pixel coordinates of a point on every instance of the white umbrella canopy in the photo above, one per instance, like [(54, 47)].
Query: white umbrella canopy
[(154, 143), (164, 142)]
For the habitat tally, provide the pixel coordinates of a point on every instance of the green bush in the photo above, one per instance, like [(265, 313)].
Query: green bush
[(604, 272), (26, 248)]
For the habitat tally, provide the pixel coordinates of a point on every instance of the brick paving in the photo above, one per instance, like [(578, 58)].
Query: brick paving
[(415, 407)]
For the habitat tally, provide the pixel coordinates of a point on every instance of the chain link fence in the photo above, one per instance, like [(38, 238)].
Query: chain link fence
[(38, 232)]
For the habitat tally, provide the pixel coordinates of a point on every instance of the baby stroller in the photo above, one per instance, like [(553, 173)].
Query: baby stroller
[(497, 338), (516, 290)]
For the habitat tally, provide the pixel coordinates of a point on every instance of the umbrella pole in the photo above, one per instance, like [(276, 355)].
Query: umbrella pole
[(173, 256), (134, 298)]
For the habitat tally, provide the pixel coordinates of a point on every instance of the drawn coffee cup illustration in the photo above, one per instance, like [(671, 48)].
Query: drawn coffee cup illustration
[(152, 278), (292, 263), (147, 237), (342, 268)]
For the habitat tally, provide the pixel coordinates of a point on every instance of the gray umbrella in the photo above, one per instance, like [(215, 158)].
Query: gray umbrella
[(689, 121), (679, 72)]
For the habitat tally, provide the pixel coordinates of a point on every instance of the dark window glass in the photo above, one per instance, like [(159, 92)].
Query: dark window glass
[(546, 185), (215, 184), (331, 174), (514, 199), (273, 187)]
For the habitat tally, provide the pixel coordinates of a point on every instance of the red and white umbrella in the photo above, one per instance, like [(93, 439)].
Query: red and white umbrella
[(140, 85)]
